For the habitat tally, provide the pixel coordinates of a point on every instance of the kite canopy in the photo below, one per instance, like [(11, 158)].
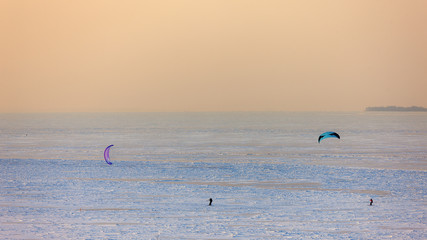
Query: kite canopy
[(107, 154), (328, 135)]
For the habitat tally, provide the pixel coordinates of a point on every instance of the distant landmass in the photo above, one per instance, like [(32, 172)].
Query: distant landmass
[(397, 109)]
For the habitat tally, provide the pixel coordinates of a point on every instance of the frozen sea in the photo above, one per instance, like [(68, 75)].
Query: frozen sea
[(268, 176)]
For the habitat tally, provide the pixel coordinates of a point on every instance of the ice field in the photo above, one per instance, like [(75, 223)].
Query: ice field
[(268, 176)]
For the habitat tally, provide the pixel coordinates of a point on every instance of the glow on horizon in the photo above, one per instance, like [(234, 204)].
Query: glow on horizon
[(242, 55)]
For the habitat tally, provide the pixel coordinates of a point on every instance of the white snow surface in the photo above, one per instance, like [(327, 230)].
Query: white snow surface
[(266, 173)]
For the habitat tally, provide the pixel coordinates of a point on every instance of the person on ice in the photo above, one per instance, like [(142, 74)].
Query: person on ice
[(210, 201), (372, 201)]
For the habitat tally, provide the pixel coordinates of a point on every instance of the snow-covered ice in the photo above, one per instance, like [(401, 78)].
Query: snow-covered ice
[(266, 173)]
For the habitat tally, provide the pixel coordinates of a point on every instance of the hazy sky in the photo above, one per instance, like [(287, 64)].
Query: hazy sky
[(206, 55)]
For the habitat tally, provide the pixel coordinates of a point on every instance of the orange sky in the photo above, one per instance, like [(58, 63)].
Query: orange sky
[(211, 55)]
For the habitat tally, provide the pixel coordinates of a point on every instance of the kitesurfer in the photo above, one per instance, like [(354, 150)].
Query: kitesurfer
[(372, 201), (210, 201)]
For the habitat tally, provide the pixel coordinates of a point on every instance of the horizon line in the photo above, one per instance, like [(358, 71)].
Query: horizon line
[(239, 111)]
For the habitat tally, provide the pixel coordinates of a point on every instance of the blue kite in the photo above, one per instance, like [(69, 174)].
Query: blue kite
[(328, 135)]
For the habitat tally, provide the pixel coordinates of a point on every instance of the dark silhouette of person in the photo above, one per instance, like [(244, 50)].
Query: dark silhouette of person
[(210, 201), (372, 201)]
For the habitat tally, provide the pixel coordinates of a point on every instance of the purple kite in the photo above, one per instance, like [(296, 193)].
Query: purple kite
[(107, 154)]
